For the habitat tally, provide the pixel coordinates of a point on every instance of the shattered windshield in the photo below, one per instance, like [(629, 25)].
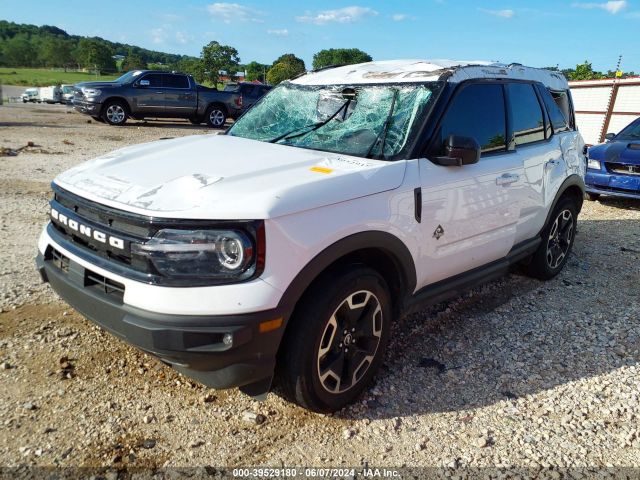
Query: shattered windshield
[(364, 121)]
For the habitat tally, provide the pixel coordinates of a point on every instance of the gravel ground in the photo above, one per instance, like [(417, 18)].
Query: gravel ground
[(518, 374)]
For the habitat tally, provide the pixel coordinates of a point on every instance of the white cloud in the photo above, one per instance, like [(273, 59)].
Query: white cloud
[(612, 6), (506, 13), (171, 17), (230, 12), (278, 32), (398, 17), (158, 35), (340, 15), (182, 38)]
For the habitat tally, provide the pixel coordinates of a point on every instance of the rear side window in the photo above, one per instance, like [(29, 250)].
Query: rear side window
[(478, 111), (558, 120), (176, 81), (155, 79), (561, 98), (525, 113)]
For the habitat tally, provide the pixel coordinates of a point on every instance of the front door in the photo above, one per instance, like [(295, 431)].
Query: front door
[(470, 213), (149, 98)]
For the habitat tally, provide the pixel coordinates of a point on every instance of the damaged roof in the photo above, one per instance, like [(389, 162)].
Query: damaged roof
[(406, 71)]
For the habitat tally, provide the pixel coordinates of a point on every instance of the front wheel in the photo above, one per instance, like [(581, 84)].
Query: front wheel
[(215, 116), (557, 241), (115, 113), (336, 340)]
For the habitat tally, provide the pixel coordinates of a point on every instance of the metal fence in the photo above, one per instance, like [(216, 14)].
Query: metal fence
[(604, 106)]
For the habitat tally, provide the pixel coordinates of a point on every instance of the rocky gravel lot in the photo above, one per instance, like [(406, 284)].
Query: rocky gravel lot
[(517, 374)]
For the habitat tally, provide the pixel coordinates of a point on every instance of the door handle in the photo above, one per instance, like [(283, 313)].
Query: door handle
[(507, 179), (159, 92)]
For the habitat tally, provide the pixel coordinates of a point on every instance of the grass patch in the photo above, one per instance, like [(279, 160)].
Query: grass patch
[(42, 77)]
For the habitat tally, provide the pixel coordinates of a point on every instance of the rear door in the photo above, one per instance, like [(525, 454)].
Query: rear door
[(180, 98), (470, 213), (149, 95)]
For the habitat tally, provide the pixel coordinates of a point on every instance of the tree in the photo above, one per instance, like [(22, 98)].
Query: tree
[(584, 71), (56, 52), (256, 71), (339, 56), (192, 66), (216, 57), (280, 72), (19, 51), (92, 53), (297, 64), (133, 61)]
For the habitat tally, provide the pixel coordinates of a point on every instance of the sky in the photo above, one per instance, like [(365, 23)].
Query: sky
[(537, 33)]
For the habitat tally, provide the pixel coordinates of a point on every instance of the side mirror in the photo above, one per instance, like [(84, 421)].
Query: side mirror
[(610, 136), (144, 83), (459, 151)]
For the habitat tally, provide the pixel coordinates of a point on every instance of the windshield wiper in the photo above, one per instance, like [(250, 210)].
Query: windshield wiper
[(384, 131), (312, 126)]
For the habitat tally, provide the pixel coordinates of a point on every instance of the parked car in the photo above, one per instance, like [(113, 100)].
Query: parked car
[(30, 95), (52, 94), (147, 93), (613, 167), (67, 94), (342, 201), (250, 93)]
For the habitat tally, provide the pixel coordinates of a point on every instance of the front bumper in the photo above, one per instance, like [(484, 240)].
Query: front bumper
[(88, 108), (605, 183), (193, 344)]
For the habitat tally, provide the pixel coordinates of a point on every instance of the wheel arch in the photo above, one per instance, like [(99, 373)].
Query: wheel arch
[(572, 187), (381, 251), (119, 99), (219, 104)]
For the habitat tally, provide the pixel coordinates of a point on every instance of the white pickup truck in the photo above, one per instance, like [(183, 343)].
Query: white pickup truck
[(341, 201)]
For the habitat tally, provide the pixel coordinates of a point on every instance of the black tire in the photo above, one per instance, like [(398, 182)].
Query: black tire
[(344, 300), (215, 116), (115, 112), (592, 197), (557, 241)]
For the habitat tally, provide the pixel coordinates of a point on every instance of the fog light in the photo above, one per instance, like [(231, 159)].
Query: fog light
[(227, 339)]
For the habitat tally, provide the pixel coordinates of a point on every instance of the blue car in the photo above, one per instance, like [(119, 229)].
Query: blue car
[(613, 167)]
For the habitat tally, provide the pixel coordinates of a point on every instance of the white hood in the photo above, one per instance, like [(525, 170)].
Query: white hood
[(224, 177)]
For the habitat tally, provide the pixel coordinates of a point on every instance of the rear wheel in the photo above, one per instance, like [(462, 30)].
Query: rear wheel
[(215, 116), (592, 197), (557, 241), (115, 113), (336, 340)]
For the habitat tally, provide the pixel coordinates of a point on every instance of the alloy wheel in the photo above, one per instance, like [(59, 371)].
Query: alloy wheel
[(560, 237), (216, 117), (349, 342), (115, 113)]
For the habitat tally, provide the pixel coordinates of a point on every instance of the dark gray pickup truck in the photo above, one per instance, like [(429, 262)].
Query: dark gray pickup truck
[(147, 93)]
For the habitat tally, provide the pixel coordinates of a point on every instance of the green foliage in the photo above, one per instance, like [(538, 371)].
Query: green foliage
[(39, 77), (256, 71), (92, 53), (339, 56), (216, 57), (56, 52), (192, 66), (19, 51), (584, 71), (285, 67), (133, 62)]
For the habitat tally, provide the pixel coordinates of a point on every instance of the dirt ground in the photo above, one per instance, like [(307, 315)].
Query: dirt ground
[(517, 374)]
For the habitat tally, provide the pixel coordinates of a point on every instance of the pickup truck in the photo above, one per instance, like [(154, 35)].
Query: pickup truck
[(142, 94)]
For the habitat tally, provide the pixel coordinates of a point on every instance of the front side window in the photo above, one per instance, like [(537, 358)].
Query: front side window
[(526, 114), (477, 111), (360, 120), (154, 79)]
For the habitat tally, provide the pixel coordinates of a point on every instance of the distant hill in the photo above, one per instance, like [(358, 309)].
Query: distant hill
[(24, 45)]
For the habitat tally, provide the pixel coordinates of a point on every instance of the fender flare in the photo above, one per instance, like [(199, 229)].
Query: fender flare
[(573, 180), (390, 244)]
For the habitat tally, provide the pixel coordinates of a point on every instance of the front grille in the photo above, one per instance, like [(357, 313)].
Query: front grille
[(103, 284), (623, 168)]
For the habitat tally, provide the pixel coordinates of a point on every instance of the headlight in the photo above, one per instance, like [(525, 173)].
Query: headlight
[(91, 92), (593, 164), (217, 255)]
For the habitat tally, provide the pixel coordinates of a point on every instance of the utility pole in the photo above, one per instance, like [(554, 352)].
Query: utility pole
[(613, 95)]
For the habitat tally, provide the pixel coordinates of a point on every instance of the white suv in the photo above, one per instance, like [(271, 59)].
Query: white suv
[(341, 201)]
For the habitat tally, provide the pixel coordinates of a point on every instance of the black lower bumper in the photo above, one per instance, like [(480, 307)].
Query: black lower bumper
[(218, 351)]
